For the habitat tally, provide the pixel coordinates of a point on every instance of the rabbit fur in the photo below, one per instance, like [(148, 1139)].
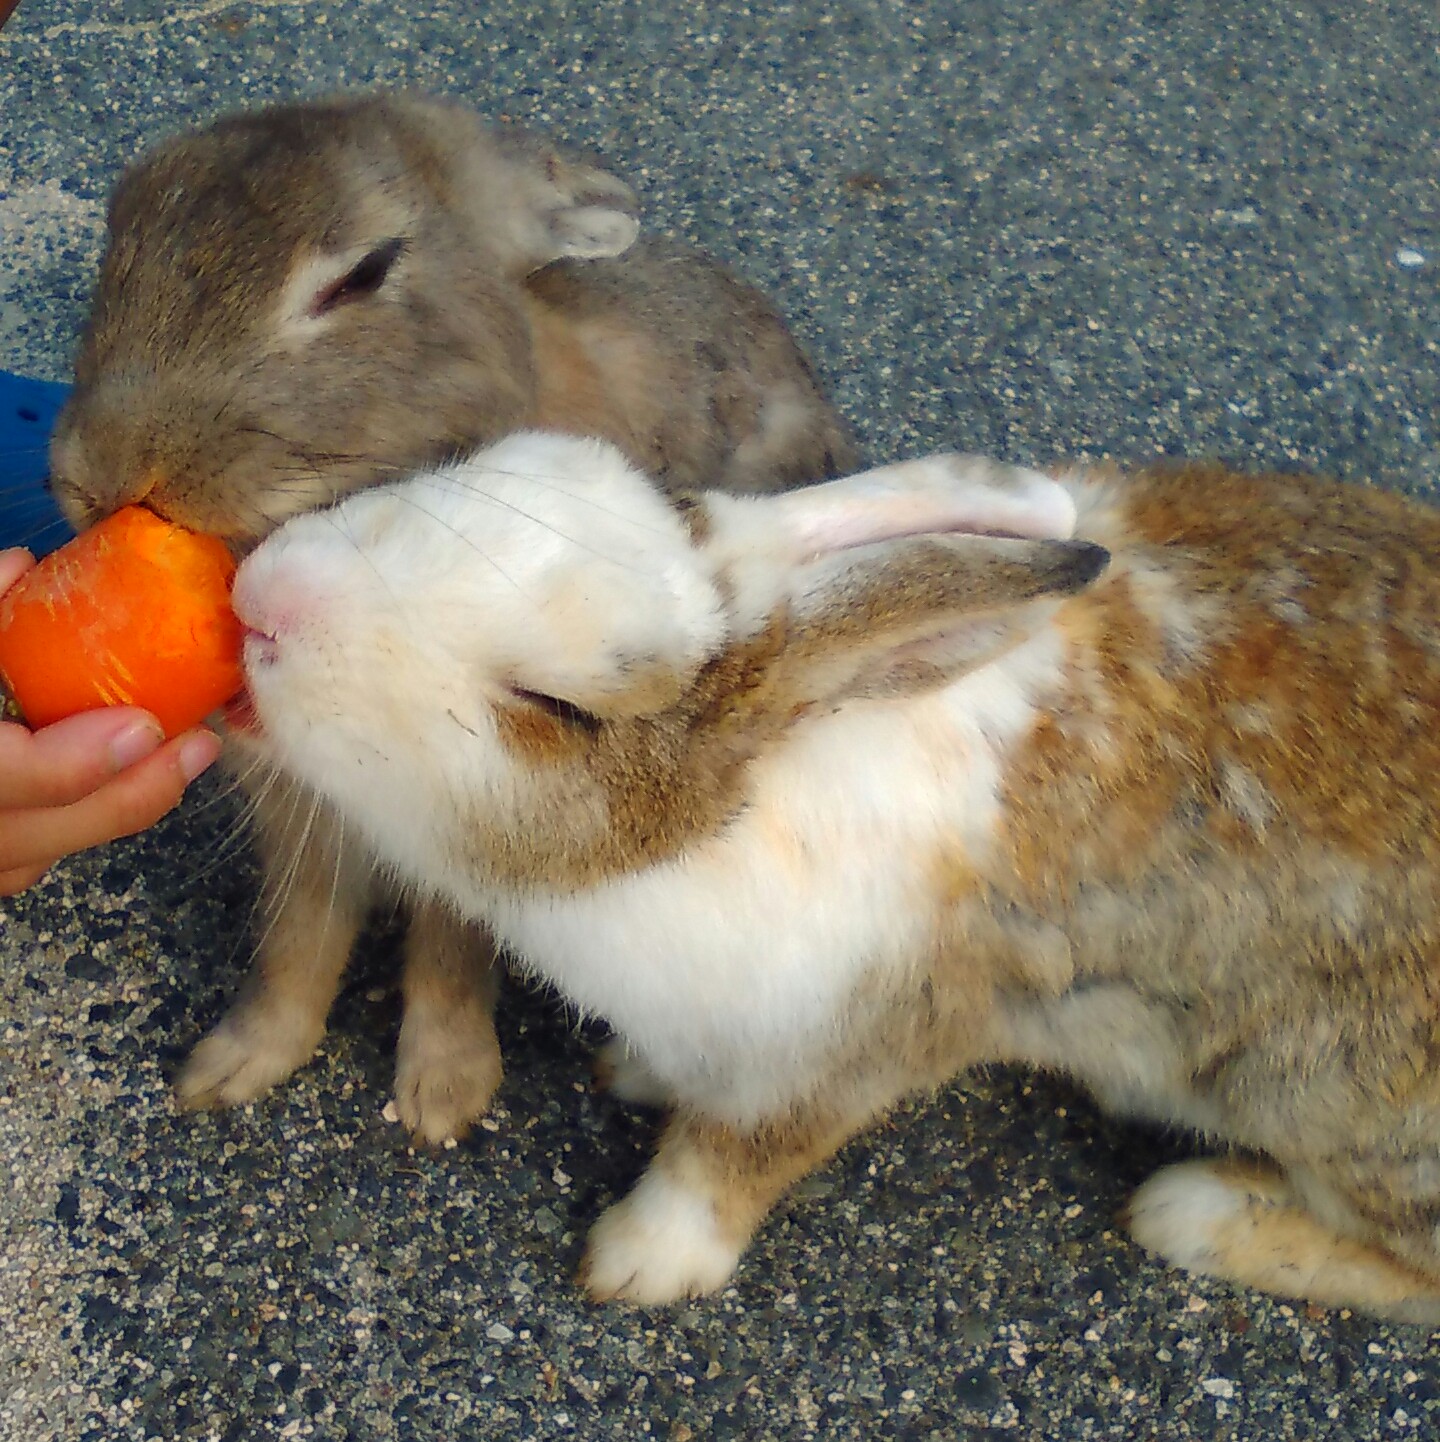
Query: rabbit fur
[(821, 798), (319, 296)]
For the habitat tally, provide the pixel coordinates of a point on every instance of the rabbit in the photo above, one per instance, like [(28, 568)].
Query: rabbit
[(821, 798), (319, 296)]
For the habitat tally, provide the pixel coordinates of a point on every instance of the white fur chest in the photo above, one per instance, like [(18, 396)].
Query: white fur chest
[(733, 969)]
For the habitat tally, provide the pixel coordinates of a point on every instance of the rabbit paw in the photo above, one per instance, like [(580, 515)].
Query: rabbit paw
[(619, 1071), (447, 1068), (245, 1056), (660, 1244)]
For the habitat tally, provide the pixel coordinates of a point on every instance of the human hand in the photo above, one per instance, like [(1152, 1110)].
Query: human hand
[(85, 780)]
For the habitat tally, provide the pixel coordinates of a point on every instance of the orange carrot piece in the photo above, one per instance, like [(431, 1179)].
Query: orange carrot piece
[(134, 611)]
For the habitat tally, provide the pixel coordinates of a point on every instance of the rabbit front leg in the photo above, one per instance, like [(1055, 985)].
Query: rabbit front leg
[(447, 1064), (316, 892), (1251, 1224), (681, 1231)]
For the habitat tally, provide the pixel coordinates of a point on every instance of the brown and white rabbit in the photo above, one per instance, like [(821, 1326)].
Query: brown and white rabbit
[(821, 798), (317, 297)]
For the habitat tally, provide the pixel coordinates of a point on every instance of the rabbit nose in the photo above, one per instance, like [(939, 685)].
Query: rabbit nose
[(291, 587), (264, 602)]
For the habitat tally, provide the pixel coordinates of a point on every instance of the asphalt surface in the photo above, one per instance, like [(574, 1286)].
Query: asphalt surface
[(1035, 229)]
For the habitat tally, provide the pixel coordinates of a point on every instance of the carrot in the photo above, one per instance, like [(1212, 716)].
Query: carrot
[(134, 611)]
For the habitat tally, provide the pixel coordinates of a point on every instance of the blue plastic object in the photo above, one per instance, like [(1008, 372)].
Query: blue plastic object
[(28, 514)]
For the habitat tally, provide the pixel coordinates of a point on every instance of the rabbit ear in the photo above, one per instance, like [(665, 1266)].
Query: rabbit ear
[(905, 616), (564, 207), (946, 492), (757, 541)]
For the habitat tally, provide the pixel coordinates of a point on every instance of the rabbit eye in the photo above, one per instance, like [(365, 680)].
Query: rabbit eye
[(362, 279), (566, 711)]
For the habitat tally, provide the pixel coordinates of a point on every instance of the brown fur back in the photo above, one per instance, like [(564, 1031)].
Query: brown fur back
[(689, 371), (1246, 830)]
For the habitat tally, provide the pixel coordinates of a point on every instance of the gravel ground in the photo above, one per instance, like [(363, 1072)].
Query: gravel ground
[(1032, 229)]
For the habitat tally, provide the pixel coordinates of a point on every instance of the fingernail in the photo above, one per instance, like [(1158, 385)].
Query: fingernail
[(134, 743), (198, 753)]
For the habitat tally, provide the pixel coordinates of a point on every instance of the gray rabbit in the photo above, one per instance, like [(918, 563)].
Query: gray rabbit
[(318, 297)]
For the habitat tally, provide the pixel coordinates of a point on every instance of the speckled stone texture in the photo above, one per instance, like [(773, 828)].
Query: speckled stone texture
[(1035, 229)]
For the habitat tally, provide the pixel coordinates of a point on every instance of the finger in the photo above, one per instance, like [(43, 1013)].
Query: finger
[(22, 878), (13, 564), (67, 761), (124, 805)]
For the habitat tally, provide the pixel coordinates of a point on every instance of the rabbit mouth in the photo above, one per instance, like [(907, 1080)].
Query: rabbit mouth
[(261, 650), (261, 647)]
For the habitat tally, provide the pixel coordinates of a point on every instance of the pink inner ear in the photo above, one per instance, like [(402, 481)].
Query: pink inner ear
[(968, 494)]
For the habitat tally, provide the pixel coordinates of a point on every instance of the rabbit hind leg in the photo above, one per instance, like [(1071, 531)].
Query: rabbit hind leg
[(1248, 1223)]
